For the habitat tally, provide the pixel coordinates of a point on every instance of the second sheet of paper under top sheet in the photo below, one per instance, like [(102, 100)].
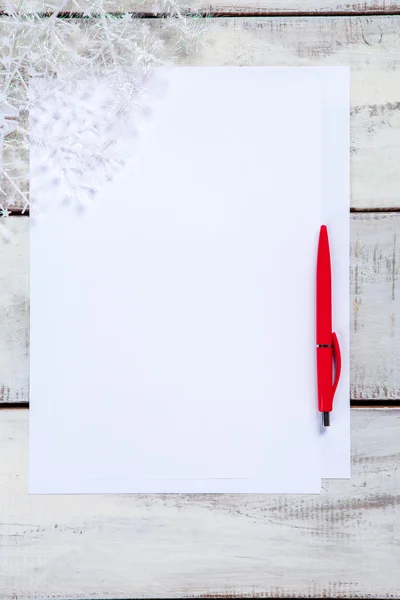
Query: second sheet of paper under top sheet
[(171, 342)]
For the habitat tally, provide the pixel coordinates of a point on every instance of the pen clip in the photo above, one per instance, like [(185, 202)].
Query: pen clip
[(338, 361)]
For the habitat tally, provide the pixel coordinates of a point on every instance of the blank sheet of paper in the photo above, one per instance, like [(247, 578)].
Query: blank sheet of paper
[(163, 357), (335, 457)]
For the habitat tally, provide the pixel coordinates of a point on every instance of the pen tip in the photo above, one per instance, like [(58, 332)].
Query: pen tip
[(325, 419)]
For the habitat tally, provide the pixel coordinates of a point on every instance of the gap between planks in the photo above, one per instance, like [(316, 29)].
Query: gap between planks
[(19, 212), (353, 404), (375, 210)]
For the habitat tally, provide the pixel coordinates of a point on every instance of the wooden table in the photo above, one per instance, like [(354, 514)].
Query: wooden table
[(344, 543)]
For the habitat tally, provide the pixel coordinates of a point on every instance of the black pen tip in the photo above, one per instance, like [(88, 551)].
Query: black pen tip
[(325, 419)]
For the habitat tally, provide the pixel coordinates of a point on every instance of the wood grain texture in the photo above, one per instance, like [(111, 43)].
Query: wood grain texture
[(14, 310), (273, 7), (374, 298), (343, 543), (370, 45), (375, 306), (241, 7)]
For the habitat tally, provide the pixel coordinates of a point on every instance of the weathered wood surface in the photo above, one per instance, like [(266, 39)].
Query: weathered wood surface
[(272, 7), (375, 306), (241, 7), (370, 45), (374, 298), (14, 310), (344, 543)]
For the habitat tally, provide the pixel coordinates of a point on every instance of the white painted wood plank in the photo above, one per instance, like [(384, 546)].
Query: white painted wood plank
[(272, 7), (14, 309), (374, 298), (375, 306), (241, 7), (344, 543), (370, 45)]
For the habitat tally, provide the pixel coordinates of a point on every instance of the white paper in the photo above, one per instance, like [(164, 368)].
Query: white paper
[(335, 196), (88, 432), (335, 457)]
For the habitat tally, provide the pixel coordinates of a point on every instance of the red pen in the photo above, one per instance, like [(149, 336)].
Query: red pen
[(327, 343)]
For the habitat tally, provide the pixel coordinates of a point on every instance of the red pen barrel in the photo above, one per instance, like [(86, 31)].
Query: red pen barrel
[(324, 379), (324, 337), (324, 290)]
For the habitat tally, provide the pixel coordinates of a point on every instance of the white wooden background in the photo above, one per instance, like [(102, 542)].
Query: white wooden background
[(345, 543)]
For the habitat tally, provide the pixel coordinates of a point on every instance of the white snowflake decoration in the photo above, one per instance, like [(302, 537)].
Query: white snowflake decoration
[(46, 61)]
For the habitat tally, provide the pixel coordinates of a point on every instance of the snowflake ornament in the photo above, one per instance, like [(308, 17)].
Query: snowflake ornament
[(46, 62)]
